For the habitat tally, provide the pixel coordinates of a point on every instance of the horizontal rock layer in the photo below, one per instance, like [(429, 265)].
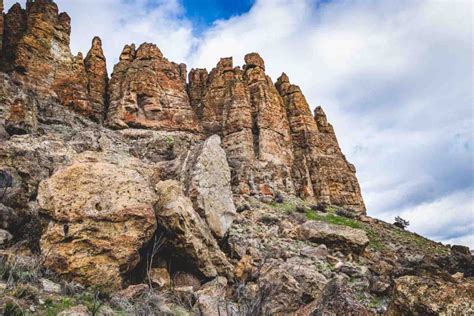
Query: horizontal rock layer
[(274, 144)]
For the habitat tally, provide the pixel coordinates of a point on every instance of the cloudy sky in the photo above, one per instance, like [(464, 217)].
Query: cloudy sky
[(394, 76)]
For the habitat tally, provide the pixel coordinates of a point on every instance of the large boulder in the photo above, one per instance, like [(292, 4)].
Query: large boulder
[(414, 295), (101, 213), (187, 232), (207, 181), (339, 237)]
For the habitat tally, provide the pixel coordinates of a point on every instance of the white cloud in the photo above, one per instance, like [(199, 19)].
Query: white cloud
[(395, 78)]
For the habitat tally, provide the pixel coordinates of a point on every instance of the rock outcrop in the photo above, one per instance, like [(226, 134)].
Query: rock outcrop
[(96, 70), (339, 237), (36, 51), (244, 107), (148, 91), (320, 170)]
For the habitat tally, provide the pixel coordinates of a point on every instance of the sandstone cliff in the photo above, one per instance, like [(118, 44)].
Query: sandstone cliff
[(159, 191)]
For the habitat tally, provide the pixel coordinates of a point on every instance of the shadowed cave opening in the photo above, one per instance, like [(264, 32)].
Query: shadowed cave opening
[(167, 256)]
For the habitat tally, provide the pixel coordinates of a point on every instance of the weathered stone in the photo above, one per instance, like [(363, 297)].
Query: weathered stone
[(336, 299), (37, 53), (190, 236), (210, 299), (96, 69), (335, 236), (14, 28), (184, 279), (320, 170), (148, 91), (415, 295), (207, 183), (244, 108), (160, 277), (101, 213), (50, 287), (5, 237)]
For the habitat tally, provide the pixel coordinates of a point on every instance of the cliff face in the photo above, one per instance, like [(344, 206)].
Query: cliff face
[(218, 189), (273, 143)]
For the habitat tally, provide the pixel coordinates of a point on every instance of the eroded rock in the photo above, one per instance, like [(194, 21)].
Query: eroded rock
[(207, 181), (416, 295), (101, 214)]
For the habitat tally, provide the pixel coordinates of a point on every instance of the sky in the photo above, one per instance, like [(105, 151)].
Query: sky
[(395, 78)]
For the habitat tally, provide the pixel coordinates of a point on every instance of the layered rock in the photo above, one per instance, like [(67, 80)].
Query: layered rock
[(101, 213), (148, 91), (320, 170), (36, 51)]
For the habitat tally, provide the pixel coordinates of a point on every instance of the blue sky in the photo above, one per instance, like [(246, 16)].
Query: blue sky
[(204, 12), (394, 77)]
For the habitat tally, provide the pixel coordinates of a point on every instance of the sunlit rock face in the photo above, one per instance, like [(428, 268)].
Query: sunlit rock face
[(36, 52), (148, 91)]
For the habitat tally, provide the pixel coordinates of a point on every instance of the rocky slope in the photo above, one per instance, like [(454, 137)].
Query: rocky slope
[(212, 193)]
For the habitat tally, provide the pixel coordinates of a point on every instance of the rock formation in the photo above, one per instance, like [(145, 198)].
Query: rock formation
[(36, 51), (223, 195), (148, 91)]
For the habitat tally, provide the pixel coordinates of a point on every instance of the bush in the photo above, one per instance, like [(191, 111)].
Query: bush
[(346, 213), (401, 223)]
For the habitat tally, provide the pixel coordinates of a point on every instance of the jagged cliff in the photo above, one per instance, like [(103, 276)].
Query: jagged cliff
[(273, 143), (166, 192)]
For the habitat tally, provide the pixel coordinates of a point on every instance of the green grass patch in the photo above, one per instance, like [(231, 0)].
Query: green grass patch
[(333, 219)]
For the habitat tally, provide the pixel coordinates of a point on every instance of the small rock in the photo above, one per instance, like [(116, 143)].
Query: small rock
[(184, 279), (133, 291), (50, 286), (5, 237), (319, 252), (160, 277)]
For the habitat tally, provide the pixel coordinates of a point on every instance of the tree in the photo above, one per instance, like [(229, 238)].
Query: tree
[(401, 223)]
